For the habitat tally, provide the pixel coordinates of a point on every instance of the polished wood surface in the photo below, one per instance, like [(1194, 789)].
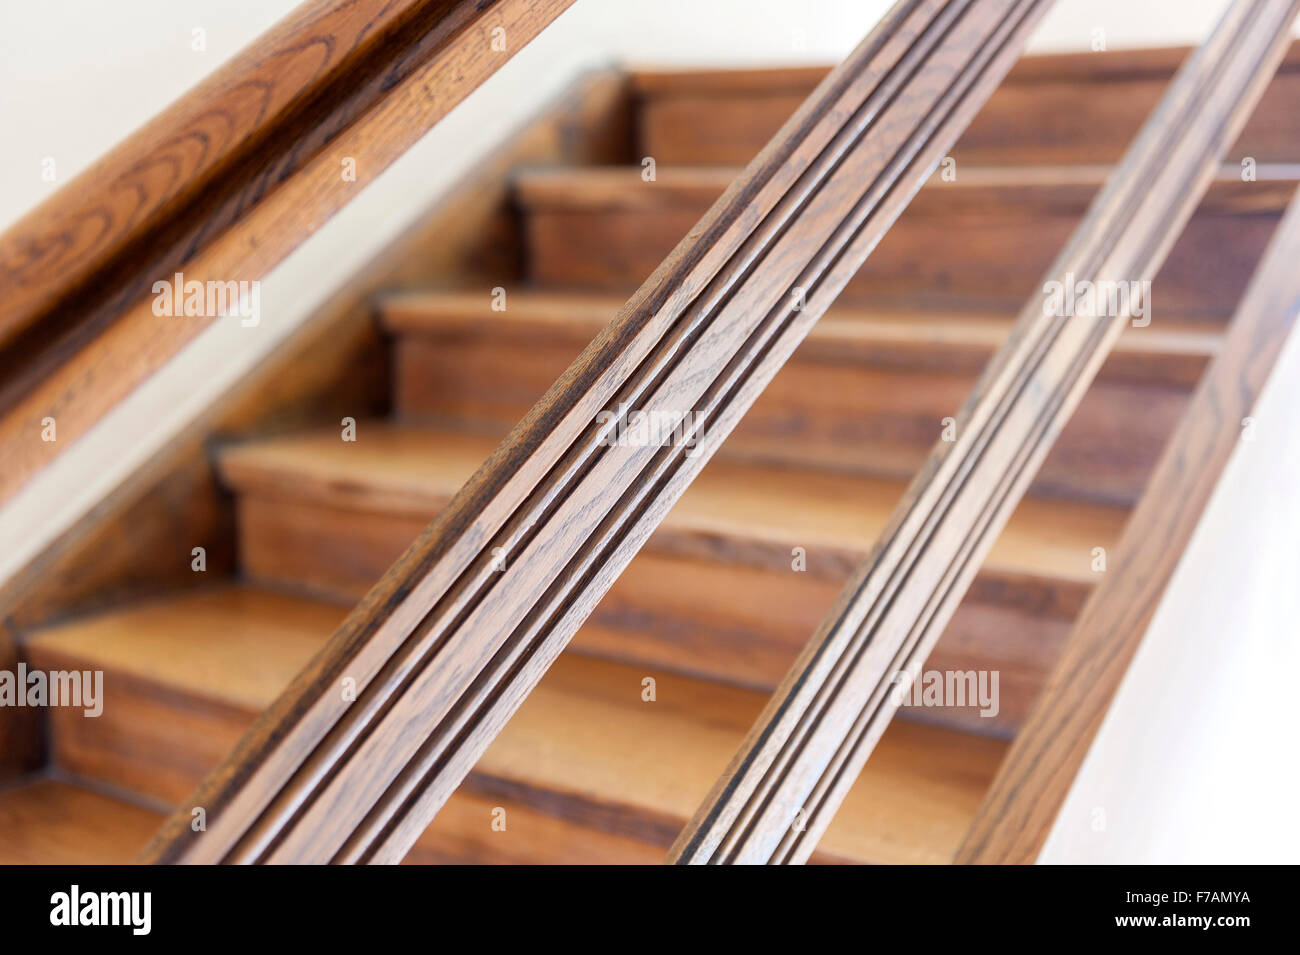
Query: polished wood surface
[(821, 725), (453, 639), (586, 747), (711, 607), (981, 242), (1021, 806), (1052, 109), (54, 822), (732, 510), (329, 516), (137, 541), (221, 186), (1170, 352), (865, 392)]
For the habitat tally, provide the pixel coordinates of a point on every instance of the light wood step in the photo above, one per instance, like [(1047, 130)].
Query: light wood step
[(185, 677), (54, 822), (589, 766), (983, 241), (714, 593), (1053, 108), (867, 392), (1170, 352)]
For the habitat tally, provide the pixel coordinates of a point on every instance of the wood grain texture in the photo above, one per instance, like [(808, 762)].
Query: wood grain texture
[(136, 542), (713, 593), (978, 244), (466, 832), (177, 706), (1052, 109), (739, 512), (587, 759), (1169, 352), (221, 187), (1022, 804), (865, 393), (335, 364), (453, 639), (53, 822), (822, 723)]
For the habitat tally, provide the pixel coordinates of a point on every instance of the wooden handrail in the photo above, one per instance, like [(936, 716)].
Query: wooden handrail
[(444, 649), (781, 790), (1021, 805), (221, 186)]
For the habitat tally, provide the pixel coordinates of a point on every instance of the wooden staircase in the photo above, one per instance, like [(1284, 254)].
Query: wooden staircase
[(600, 765)]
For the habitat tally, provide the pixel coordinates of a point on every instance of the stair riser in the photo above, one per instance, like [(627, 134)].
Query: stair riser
[(746, 626), (990, 255), (1045, 121), (851, 416), (464, 834), (722, 619)]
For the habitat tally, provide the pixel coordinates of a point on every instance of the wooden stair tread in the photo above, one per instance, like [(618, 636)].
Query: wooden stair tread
[(1052, 108), (463, 834), (600, 185), (394, 467), (1080, 67), (665, 755), (245, 641), (237, 647), (51, 822), (583, 315), (622, 187), (864, 393), (653, 81), (983, 241), (584, 734), (589, 771)]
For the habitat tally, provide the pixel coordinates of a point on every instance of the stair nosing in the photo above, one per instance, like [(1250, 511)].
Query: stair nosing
[(439, 312), (260, 467)]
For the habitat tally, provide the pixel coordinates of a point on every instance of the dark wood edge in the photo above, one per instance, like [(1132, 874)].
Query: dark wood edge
[(782, 788), (137, 540), (222, 186), (450, 642), (1052, 190), (22, 737), (1112, 65), (1021, 805)]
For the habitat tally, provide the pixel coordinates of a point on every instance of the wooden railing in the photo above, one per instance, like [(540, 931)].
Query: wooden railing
[(456, 634), (220, 187), (356, 757), (781, 790), (1020, 807)]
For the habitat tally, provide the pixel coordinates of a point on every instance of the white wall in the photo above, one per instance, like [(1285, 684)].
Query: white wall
[(78, 75), (57, 53), (1196, 761)]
